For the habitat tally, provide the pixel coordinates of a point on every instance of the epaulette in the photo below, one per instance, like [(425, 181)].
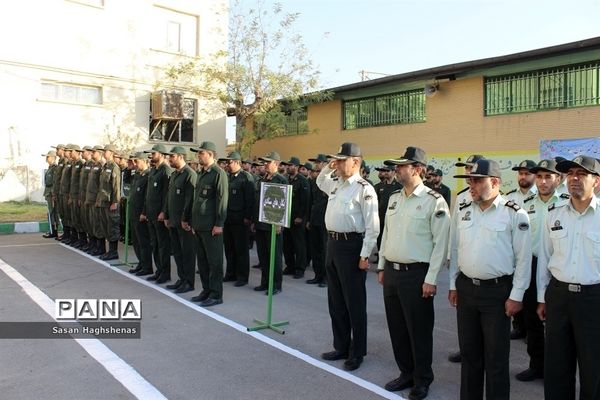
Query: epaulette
[(462, 191), (556, 205), (335, 179), (465, 205), (529, 198), (396, 191), (434, 194), (512, 191), (565, 196), (513, 205), (363, 182)]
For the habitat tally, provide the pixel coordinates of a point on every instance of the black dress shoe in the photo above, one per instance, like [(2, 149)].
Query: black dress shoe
[(313, 281), (211, 302), (138, 268), (334, 355), (257, 266), (143, 272), (400, 383), (240, 283), (228, 278), (455, 357), (49, 235), (175, 285), (152, 278), (201, 297), (299, 274), (162, 279), (260, 288), (352, 363), (517, 334), (529, 375), (322, 284), (418, 393), (184, 288)]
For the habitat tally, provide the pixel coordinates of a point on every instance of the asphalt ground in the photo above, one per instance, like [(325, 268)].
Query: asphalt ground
[(186, 352)]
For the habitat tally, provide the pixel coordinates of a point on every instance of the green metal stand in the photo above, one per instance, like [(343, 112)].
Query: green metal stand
[(268, 324)]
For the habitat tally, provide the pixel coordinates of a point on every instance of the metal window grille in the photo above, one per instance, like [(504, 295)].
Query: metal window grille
[(561, 87), (391, 109), (296, 123)]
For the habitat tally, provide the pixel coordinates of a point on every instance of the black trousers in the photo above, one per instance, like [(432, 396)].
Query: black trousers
[(235, 241), (572, 339), (141, 242), (318, 247), (484, 339), (294, 247), (183, 247), (533, 325), (263, 247), (161, 247), (347, 296), (410, 322)]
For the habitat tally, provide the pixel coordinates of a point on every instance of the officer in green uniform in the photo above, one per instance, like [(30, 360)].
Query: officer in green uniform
[(65, 185), (83, 180), (263, 230), (139, 229), (108, 202), (48, 184), (56, 198), (92, 214), (239, 217), (75, 209), (178, 216), (294, 237), (316, 224), (156, 195), (208, 217)]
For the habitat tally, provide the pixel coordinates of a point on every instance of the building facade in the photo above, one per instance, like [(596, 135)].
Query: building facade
[(84, 72)]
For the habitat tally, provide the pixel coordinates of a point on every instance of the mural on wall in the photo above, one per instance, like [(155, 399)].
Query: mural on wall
[(570, 148)]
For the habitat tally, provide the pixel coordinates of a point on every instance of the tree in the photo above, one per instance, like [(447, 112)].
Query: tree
[(265, 73)]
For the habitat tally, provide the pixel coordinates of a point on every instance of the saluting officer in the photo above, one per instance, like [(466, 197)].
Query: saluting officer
[(413, 249), (208, 217), (317, 232), (239, 217), (489, 273), (177, 211), (294, 237), (156, 195), (352, 220), (140, 233), (568, 285), (48, 185), (108, 202)]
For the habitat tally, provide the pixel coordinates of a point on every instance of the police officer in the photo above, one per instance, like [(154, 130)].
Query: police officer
[(489, 273), (239, 217), (263, 230), (413, 249), (156, 195), (108, 202), (526, 182), (208, 217), (140, 233), (353, 223), (65, 186), (317, 232), (568, 285), (384, 189), (92, 214), (48, 184), (177, 212), (294, 237)]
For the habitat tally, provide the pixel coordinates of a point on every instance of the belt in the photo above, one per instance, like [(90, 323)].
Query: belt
[(488, 282), (408, 267), (575, 287), (345, 235)]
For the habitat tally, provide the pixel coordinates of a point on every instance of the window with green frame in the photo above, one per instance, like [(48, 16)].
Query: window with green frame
[(560, 87), (390, 109)]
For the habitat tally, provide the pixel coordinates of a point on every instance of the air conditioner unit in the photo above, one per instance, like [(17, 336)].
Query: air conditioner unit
[(167, 105)]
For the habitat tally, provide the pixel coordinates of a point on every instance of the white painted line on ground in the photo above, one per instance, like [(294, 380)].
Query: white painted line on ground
[(242, 329), (119, 369)]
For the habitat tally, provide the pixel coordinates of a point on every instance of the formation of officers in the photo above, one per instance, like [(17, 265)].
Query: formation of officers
[(532, 254)]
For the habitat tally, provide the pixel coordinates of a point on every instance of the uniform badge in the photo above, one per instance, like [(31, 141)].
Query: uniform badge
[(178, 191), (155, 184), (204, 192), (523, 226), (368, 197), (467, 216), (393, 206), (544, 164), (138, 189), (419, 207), (233, 191), (557, 226), (531, 209)]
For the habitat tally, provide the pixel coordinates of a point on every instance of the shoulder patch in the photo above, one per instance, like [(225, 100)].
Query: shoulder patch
[(523, 226), (512, 191), (463, 206), (529, 198), (434, 194), (565, 196), (513, 205), (440, 213)]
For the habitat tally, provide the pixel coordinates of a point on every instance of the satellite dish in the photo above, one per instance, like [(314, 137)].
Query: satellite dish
[(431, 89)]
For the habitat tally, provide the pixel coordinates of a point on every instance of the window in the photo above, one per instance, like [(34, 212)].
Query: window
[(69, 93), (173, 36), (391, 109), (560, 87), (174, 31), (169, 130), (296, 123)]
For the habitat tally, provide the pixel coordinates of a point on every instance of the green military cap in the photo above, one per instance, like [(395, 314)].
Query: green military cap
[(293, 161), (58, 146), (319, 158), (234, 155), (210, 146), (159, 148), (140, 155), (178, 150), (111, 147), (84, 148), (51, 153), (74, 147), (247, 161), (98, 148), (308, 166), (272, 156), (256, 163)]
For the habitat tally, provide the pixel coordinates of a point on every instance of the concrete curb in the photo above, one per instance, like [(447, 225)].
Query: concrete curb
[(23, 227)]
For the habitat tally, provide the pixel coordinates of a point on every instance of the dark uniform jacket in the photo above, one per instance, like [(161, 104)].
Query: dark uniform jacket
[(210, 199), (445, 192), (49, 180), (65, 179), (93, 181), (83, 179), (384, 191), (156, 191), (300, 196), (241, 197), (137, 197), (109, 185), (76, 169), (318, 204), (180, 196), (57, 176), (276, 178)]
